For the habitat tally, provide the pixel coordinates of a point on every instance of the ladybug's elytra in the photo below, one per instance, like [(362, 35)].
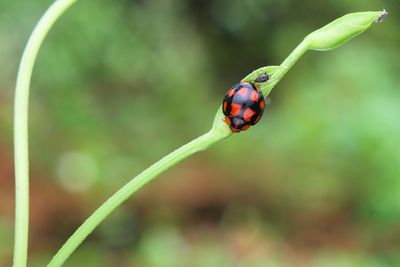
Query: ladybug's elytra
[(244, 104)]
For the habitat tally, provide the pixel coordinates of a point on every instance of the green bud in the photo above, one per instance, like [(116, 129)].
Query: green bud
[(342, 30)]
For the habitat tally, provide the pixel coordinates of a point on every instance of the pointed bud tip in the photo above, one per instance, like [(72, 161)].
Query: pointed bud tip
[(382, 17)]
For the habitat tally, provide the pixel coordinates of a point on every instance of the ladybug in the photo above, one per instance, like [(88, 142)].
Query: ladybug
[(244, 104)]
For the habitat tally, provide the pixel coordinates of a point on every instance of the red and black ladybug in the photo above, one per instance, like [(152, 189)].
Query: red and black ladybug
[(244, 104)]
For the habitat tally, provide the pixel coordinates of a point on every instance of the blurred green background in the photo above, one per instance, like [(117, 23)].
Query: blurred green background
[(118, 84)]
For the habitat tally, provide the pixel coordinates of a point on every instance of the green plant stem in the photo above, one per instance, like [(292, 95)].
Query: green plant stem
[(285, 66), (21, 129), (218, 132), (131, 187)]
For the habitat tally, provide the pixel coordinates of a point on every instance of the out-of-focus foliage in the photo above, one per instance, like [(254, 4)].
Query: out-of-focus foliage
[(118, 84)]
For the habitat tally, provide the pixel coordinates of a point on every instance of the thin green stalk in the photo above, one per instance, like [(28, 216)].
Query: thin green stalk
[(277, 72), (219, 130), (285, 66), (131, 187), (21, 129)]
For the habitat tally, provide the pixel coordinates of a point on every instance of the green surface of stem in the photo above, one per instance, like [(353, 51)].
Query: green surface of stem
[(219, 131), (284, 67), (131, 187), (21, 129)]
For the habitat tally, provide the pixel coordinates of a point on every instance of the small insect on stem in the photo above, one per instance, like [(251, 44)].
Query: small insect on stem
[(262, 78), (382, 17)]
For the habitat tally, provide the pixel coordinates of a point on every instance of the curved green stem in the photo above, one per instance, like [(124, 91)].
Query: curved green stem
[(131, 187), (284, 67), (219, 131), (21, 129)]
